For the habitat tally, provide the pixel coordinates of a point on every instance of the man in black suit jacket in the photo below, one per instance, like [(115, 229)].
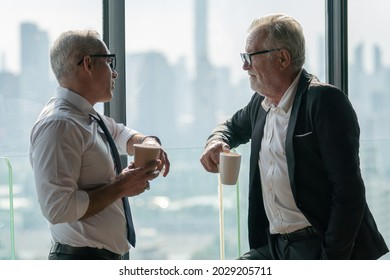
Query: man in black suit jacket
[(306, 197)]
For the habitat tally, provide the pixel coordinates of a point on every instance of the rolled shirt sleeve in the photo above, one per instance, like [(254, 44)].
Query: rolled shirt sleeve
[(120, 133)]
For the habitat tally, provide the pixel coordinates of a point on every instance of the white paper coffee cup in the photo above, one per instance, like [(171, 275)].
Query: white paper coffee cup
[(144, 153), (229, 167)]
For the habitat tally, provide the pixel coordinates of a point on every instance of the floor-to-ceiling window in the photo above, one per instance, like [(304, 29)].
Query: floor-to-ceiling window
[(27, 30), (369, 83), (183, 76)]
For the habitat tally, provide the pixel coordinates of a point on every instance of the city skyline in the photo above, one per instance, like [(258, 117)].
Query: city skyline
[(43, 88), (42, 12)]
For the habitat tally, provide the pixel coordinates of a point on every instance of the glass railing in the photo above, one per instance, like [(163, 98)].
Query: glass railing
[(7, 224), (375, 166), (180, 217), (23, 231)]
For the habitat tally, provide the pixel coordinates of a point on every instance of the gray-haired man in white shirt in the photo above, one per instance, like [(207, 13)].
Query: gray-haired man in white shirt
[(78, 190)]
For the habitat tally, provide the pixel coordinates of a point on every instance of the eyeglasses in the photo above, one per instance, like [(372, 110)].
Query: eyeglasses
[(111, 59), (247, 57)]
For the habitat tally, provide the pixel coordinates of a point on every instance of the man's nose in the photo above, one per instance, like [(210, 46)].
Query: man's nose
[(245, 65), (114, 74)]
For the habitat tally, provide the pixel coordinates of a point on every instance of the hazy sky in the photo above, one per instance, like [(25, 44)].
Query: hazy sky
[(167, 25)]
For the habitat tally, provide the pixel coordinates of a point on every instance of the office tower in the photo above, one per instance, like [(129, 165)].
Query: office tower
[(378, 65), (204, 91), (150, 94), (34, 74)]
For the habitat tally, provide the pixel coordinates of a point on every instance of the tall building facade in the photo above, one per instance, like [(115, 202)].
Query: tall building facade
[(204, 84), (150, 94), (34, 70)]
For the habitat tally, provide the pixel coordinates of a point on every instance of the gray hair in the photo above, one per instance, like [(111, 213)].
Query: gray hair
[(70, 48), (284, 32)]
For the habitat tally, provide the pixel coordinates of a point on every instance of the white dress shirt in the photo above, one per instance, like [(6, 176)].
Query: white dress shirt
[(69, 155), (281, 210)]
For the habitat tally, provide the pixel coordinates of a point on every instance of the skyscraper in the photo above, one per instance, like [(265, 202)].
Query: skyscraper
[(150, 91), (204, 91), (34, 74)]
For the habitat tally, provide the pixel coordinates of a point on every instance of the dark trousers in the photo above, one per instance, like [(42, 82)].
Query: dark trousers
[(305, 245), (65, 252)]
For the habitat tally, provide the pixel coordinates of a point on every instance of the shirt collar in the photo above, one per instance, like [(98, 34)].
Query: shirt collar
[(76, 100), (287, 98)]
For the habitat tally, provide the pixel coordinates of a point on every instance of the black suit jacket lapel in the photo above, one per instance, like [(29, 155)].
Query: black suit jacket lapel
[(258, 132), (303, 84)]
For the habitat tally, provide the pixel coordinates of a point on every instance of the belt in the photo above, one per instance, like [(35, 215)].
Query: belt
[(298, 234), (85, 252)]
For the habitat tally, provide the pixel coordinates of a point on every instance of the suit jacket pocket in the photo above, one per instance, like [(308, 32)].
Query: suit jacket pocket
[(303, 135), (305, 138)]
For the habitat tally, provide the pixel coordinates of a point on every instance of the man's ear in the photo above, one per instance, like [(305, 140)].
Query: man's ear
[(87, 63), (284, 58)]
